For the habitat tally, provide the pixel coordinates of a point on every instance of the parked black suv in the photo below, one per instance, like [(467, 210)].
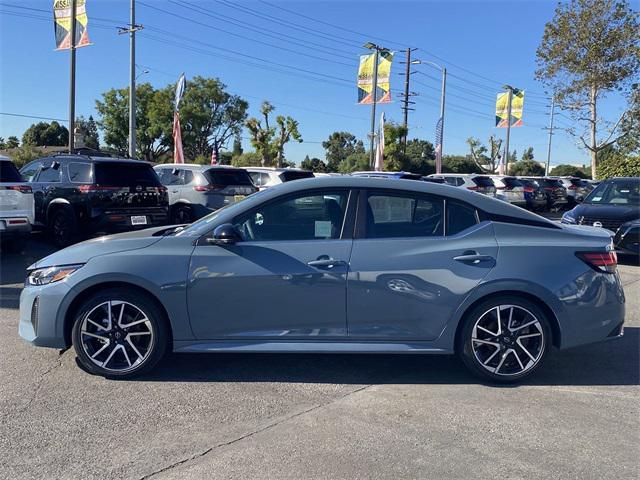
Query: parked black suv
[(76, 195)]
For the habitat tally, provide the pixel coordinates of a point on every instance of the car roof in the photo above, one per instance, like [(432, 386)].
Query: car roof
[(274, 169), (483, 202), (93, 159), (197, 166), (464, 175)]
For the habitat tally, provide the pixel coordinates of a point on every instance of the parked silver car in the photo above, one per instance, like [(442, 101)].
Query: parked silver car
[(509, 189), (197, 190), (471, 181), (333, 265), (265, 177), (16, 202), (577, 188)]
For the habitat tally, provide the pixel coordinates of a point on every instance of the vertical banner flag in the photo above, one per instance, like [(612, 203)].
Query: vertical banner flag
[(214, 157), (502, 106), (439, 146), (379, 163), (178, 155), (62, 24), (365, 78)]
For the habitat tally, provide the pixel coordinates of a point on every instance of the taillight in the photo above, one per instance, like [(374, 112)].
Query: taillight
[(20, 188), (96, 188), (472, 188), (529, 189), (605, 262), (573, 187), (208, 188)]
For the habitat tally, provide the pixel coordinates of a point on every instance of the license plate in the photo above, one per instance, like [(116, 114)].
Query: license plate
[(139, 220), (237, 198)]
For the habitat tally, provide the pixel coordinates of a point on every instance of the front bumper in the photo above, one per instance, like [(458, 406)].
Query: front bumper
[(39, 314)]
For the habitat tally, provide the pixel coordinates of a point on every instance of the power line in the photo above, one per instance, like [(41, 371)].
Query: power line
[(35, 117)]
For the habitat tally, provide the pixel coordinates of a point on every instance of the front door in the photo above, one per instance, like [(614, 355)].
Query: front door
[(417, 260), (286, 279)]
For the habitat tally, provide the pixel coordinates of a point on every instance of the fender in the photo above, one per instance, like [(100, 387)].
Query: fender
[(499, 286)]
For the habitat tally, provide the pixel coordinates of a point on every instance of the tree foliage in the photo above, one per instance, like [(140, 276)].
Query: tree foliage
[(269, 140), (46, 134), (568, 171), (338, 147), (590, 48), (313, 164), (356, 162), (526, 167), (247, 159), (528, 154), (89, 130), (486, 159), (459, 164), (619, 166), (12, 142)]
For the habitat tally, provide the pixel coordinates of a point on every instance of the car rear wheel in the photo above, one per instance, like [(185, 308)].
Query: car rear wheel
[(182, 215), (504, 339), (63, 228), (119, 334)]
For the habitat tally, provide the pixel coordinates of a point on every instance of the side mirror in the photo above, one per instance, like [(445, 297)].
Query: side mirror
[(224, 234)]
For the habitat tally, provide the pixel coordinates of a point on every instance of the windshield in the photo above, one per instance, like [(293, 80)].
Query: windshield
[(9, 173), (618, 192)]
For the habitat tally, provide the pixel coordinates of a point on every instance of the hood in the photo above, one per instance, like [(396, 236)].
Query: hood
[(622, 213), (84, 251)]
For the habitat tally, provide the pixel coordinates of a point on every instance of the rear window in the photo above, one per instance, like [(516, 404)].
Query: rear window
[(80, 172), (410, 176), (9, 172), (552, 183), (295, 175), (511, 182), (125, 174), (228, 177), (483, 181)]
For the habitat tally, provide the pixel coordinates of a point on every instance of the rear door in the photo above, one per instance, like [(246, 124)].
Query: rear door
[(46, 187), (414, 260)]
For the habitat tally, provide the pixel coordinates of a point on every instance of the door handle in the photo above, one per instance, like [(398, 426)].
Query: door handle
[(326, 263), (473, 258)]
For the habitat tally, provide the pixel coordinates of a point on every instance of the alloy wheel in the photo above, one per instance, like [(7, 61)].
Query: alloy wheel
[(117, 336), (508, 340)]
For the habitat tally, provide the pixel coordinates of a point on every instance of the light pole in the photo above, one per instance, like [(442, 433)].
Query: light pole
[(72, 83), (374, 91), (440, 124)]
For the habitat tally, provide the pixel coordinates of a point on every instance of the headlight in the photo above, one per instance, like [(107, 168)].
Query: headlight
[(566, 218), (45, 276)]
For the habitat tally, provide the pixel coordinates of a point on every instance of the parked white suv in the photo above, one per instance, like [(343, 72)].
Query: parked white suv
[(509, 189), (16, 202), (264, 177), (471, 181)]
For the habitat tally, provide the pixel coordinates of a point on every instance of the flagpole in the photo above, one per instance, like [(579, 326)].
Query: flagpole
[(509, 88), (72, 82)]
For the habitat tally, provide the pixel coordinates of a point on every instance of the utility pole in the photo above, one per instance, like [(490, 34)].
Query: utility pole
[(553, 105), (407, 94), (72, 83), (509, 88), (131, 30)]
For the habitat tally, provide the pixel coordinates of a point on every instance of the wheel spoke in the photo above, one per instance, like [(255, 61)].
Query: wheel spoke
[(100, 350), (493, 334), (115, 349), (97, 325), (491, 356), (515, 354), (486, 342), (140, 356), (136, 322), (120, 316), (132, 334), (499, 320), (110, 326), (126, 355), (502, 359), (93, 335), (510, 318), (525, 325), (525, 350)]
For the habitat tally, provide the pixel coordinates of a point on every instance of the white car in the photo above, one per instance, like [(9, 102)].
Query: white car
[(576, 187), (264, 177), (509, 189), (471, 181), (16, 202)]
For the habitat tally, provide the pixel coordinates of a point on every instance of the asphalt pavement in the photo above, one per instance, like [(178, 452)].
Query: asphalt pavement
[(315, 416)]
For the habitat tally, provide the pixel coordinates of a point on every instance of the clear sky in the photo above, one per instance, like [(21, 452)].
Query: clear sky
[(302, 56)]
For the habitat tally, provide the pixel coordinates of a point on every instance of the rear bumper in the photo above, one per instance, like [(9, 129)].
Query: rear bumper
[(121, 220), (14, 226)]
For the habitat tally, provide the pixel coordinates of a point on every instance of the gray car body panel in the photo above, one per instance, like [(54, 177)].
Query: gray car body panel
[(538, 261)]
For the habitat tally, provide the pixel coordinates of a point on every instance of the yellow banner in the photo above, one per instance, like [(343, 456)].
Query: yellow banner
[(62, 24), (365, 78), (502, 108)]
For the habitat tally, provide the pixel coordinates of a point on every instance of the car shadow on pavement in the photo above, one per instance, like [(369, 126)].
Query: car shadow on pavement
[(610, 363)]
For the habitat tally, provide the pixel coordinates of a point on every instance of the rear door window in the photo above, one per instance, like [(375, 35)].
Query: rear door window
[(403, 215), (451, 181), (125, 174), (80, 172), (9, 172), (460, 217), (50, 173)]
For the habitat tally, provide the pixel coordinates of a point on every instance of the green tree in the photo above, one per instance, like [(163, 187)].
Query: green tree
[(46, 134), (2, 143), (526, 167), (459, 164), (356, 162), (314, 164), (339, 146), (237, 146), (568, 171), (247, 159), (590, 48), (209, 116), (89, 130), (486, 163), (395, 160), (528, 154), (421, 156), (619, 166), (286, 131), (12, 142), (262, 134), (154, 120), (23, 155)]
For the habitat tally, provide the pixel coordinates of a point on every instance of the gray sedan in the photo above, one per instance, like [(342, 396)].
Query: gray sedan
[(333, 264)]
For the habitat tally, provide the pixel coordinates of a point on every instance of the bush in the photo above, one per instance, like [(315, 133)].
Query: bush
[(619, 166), (248, 159), (23, 155), (354, 163), (569, 171), (526, 167), (459, 164)]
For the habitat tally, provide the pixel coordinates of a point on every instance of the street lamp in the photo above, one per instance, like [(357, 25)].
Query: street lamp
[(440, 125), (374, 90)]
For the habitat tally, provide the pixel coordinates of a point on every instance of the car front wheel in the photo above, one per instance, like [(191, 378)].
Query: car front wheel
[(505, 339), (119, 334)]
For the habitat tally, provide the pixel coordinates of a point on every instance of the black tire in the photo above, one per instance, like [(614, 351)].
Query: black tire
[(153, 353), (63, 228), (511, 341), (182, 214)]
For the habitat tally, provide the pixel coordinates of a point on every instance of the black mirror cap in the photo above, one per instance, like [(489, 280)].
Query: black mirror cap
[(225, 234)]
